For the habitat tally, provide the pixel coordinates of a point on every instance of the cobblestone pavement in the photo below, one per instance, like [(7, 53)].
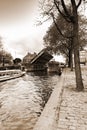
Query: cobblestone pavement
[(73, 110)]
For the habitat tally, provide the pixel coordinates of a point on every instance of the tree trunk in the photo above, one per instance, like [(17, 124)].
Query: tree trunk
[(71, 54), (79, 82), (70, 64)]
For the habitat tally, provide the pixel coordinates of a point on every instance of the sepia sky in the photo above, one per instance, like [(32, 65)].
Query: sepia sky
[(18, 28), (18, 19)]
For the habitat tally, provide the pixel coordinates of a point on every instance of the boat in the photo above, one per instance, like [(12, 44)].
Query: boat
[(10, 74)]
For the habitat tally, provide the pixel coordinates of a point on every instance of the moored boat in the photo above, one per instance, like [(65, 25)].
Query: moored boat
[(10, 74)]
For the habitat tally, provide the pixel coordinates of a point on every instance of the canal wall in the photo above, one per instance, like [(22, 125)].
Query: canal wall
[(49, 117)]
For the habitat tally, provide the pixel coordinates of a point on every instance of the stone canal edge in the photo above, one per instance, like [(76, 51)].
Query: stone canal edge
[(50, 115)]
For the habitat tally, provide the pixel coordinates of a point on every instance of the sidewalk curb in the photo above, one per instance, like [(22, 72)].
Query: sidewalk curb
[(49, 117)]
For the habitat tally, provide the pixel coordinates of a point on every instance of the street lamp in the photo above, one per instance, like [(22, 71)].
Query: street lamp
[(3, 63)]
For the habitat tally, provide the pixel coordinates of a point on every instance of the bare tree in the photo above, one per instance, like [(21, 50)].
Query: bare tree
[(5, 57)]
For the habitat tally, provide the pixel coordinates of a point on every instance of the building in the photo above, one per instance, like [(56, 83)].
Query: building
[(28, 58), (83, 57)]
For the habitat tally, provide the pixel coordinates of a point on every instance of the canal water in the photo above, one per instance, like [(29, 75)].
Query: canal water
[(22, 100)]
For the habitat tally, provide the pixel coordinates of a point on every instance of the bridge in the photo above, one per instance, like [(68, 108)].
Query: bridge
[(39, 62)]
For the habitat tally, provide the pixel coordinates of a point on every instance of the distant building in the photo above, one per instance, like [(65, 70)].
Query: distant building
[(83, 57), (28, 58)]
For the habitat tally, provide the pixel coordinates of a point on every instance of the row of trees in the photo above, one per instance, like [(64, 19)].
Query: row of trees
[(5, 57), (57, 43), (68, 29)]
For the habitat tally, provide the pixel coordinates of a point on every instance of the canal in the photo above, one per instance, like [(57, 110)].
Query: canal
[(22, 100)]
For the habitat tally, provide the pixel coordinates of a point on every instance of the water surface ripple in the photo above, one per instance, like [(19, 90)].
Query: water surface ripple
[(22, 100)]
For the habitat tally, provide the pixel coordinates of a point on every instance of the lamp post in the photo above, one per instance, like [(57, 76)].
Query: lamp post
[(3, 63)]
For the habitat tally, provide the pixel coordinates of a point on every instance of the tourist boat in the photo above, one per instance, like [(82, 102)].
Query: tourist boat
[(10, 74)]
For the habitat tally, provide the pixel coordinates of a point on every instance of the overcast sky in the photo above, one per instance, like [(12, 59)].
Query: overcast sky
[(18, 28)]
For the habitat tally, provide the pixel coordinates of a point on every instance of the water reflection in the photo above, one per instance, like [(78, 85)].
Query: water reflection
[(22, 100)]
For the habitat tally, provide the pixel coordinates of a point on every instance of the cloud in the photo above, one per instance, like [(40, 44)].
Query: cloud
[(23, 46), (17, 27), (11, 10)]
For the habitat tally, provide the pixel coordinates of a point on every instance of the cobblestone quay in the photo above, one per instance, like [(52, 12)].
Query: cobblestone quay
[(73, 109)]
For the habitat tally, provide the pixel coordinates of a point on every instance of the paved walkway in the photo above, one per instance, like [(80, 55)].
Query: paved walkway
[(73, 109)]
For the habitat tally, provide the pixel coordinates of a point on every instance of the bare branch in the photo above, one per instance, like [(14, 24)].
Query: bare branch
[(59, 28), (47, 12), (73, 3), (65, 9), (67, 17), (65, 45), (79, 3), (42, 3), (63, 50), (63, 15), (41, 22)]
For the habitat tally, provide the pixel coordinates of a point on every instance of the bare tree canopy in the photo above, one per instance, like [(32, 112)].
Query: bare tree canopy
[(5, 56), (60, 44), (51, 9)]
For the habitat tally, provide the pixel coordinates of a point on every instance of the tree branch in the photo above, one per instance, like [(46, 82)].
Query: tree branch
[(65, 45), (63, 15), (79, 3), (65, 9), (59, 28), (73, 3), (41, 22), (63, 50)]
